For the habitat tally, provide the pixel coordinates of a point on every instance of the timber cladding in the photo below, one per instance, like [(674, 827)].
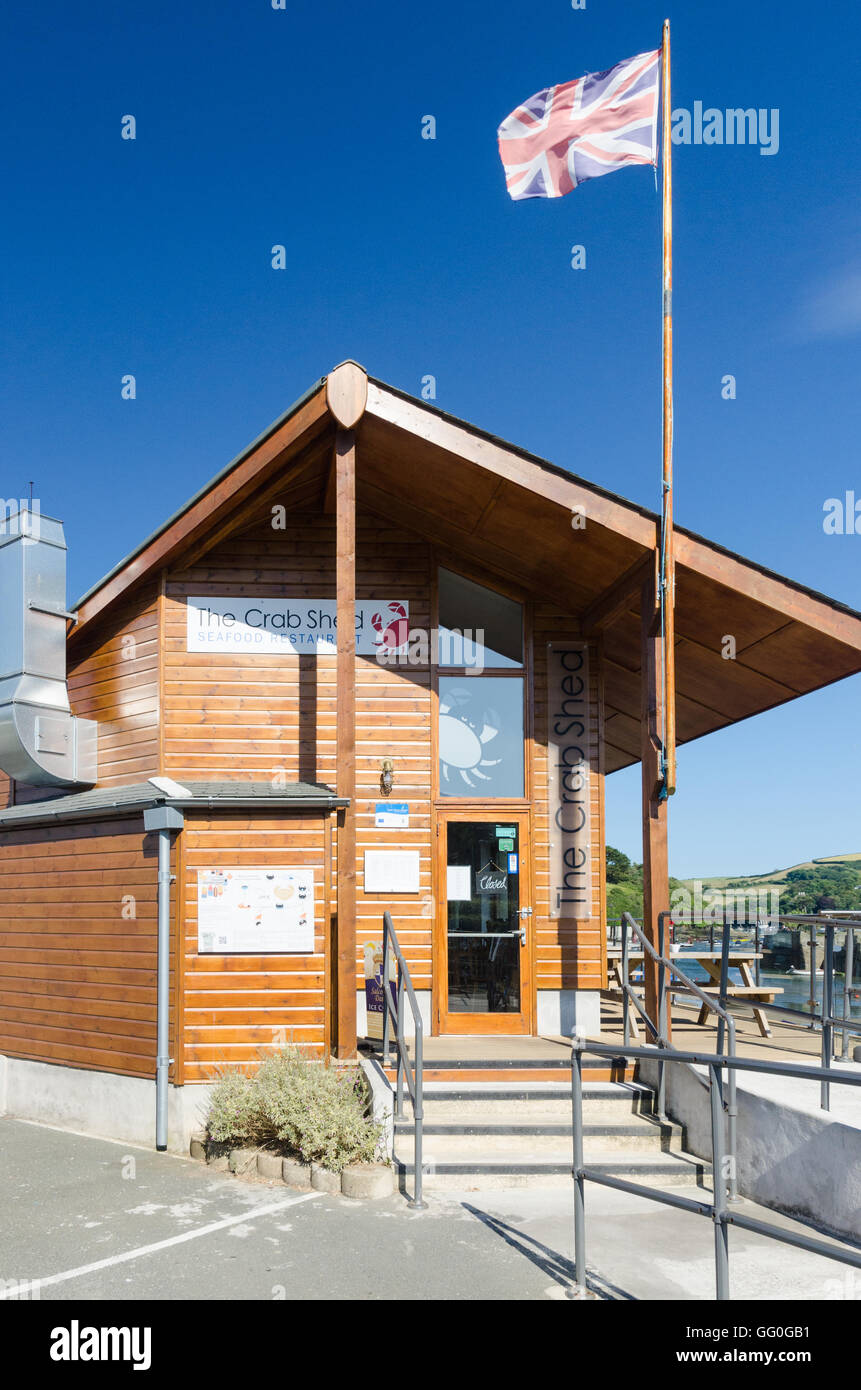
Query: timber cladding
[(78, 918), (235, 1007), (236, 715), (114, 679), (78, 967), (232, 715)]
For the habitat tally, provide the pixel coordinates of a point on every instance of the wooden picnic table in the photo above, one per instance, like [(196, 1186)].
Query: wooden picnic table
[(741, 960)]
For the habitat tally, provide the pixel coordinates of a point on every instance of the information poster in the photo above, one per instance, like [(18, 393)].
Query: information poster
[(255, 910)]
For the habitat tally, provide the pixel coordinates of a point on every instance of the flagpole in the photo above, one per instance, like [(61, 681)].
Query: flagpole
[(667, 569)]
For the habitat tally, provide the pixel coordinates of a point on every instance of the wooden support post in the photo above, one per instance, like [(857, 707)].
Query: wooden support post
[(345, 530), (656, 884)]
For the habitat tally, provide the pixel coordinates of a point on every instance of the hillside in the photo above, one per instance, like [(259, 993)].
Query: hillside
[(818, 885)]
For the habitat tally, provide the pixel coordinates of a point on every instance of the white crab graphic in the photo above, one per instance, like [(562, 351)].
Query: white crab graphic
[(461, 741)]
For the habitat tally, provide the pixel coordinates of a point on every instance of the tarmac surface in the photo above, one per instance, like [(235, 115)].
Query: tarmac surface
[(92, 1219)]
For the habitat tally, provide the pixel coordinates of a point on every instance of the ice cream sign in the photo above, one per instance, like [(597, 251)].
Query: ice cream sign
[(292, 625)]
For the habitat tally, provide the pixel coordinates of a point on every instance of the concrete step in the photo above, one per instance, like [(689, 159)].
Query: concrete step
[(515, 1169), (539, 1103), (521, 1069), (466, 1138)]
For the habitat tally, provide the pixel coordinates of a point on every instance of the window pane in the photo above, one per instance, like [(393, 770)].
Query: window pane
[(465, 610), (480, 736)]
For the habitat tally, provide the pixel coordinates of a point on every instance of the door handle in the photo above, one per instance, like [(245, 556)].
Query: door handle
[(525, 912)]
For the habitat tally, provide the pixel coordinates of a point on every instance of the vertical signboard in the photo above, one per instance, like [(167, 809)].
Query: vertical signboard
[(569, 757), (374, 999)]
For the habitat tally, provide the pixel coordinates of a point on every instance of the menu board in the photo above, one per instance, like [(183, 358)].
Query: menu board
[(252, 910)]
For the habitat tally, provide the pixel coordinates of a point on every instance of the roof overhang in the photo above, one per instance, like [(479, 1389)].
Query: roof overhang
[(563, 540), (135, 799)]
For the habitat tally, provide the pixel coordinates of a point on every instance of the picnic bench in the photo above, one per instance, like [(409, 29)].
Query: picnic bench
[(740, 960)]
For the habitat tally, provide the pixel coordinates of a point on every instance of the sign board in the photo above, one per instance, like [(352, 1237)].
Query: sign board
[(254, 910), (374, 1001), (459, 883), (392, 815), (286, 625), (391, 871), (569, 760), (491, 879)]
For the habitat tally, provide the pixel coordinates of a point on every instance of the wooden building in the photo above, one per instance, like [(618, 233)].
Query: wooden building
[(496, 659)]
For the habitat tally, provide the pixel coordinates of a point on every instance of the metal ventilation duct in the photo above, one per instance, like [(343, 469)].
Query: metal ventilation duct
[(41, 742)]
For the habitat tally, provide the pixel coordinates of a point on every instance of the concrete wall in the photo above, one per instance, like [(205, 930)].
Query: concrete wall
[(561, 1012), (98, 1102), (792, 1156)]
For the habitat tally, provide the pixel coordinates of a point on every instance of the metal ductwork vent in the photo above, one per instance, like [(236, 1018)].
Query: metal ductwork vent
[(41, 742)]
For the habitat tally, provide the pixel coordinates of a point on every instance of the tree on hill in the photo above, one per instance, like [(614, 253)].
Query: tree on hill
[(625, 885), (620, 869)]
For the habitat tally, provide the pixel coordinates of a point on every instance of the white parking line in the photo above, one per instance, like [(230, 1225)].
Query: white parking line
[(250, 1215)]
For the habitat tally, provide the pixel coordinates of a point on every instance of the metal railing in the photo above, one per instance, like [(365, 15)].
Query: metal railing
[(825, 1017), (393, 1009), (831, 1024), (723, 1164), (667, 968)]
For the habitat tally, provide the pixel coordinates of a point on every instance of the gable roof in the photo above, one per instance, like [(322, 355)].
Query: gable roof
[(509, 512)]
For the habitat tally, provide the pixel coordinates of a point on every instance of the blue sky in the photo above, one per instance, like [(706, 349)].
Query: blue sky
[(303, 127)]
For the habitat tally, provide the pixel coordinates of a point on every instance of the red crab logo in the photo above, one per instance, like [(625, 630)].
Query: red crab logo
[(392, 628)]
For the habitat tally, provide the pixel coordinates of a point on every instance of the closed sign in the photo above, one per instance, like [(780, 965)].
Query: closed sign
[(491, 879)]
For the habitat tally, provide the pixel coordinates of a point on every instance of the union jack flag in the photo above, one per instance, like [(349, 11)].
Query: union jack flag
[(580, 130)]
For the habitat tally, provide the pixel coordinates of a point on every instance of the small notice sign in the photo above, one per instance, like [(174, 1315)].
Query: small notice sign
[(392, 871), (459, 883), (491, 879), (392, 815)]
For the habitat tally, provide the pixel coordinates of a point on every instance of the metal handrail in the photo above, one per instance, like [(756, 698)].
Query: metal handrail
[(826, 1018), (395, 1010), (716, 1210), (668, 963), (831, 1024)]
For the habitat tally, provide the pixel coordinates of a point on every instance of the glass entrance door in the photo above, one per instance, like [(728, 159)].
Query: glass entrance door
[(486, 923)]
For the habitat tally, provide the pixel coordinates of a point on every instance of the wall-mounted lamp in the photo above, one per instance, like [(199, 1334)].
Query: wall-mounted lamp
[(387, 776)]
